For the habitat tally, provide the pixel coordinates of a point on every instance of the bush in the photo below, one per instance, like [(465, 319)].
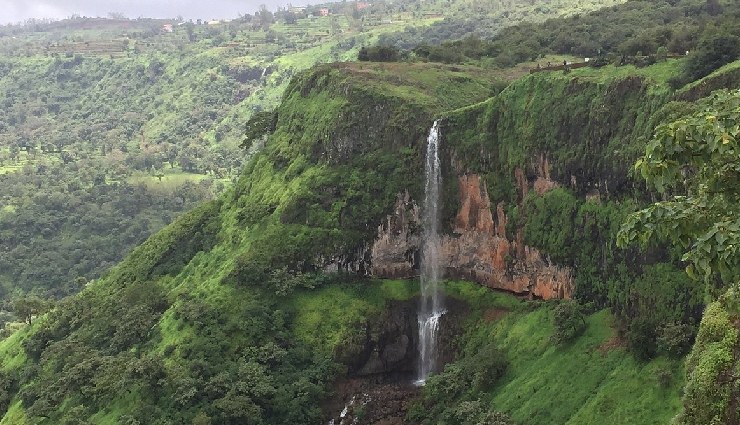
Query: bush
[(641, 338), (8, 385), (675, 339), (568, 320), (476, 413), (379, 54), (664, 376), (470, 376), (714, 51)]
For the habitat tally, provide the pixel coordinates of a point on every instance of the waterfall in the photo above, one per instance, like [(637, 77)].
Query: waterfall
[(430, 308)]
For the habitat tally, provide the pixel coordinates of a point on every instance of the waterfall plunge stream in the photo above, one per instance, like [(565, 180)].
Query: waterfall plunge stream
[(430, 308)]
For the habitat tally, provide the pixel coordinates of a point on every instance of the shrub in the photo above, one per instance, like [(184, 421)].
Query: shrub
[(675, 339), (470, 376), (379, 54), (476, 413), (641, 338), (568, 320), (664, 376)]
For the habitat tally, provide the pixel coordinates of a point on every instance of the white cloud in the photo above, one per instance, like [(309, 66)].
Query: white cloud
[(16, 11), (12, 11)]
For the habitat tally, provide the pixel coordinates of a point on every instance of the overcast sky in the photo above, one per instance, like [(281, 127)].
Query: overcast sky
[(12, 11)]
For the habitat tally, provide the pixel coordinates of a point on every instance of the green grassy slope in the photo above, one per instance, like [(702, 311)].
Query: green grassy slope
[(591, 379), (584, 382)]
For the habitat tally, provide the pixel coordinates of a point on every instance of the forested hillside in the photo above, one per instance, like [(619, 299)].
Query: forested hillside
[(292, 295)]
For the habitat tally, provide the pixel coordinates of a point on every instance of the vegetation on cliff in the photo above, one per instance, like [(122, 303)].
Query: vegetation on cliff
[(510, 369), (585, 142), (215, 317), (696, 156), (710, 396)]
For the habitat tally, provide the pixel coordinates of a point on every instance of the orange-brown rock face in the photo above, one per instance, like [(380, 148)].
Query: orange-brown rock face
[(478, 250), (543, 183), (475, 209)]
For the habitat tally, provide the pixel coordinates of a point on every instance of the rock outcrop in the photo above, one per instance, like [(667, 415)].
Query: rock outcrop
[(395, 250), (478, 248), (388, 342)]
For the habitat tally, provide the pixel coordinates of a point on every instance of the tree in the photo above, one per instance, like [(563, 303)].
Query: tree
[(661, 54), (714, 51), (157, 172), (25, 307), (713, 7), (201, 419), (265, 17), (290, 18), (379, 54), (699, 156), (190, 31), (261, 124)]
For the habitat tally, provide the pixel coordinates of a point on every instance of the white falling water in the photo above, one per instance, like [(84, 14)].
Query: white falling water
[(430, 308)]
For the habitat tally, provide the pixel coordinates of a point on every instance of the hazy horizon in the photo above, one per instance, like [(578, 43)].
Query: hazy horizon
[(16, 11)]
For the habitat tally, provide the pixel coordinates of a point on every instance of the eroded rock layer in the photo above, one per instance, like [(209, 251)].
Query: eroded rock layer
[(478, 248)]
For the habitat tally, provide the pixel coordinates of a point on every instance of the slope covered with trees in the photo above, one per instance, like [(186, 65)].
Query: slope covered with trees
[(251, 361)]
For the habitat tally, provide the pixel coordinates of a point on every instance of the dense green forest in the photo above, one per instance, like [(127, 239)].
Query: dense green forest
[(485, 19), (259, 306), (58, 235)]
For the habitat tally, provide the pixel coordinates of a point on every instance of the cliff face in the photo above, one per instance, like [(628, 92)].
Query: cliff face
[(395, 251), (478, 248), (548, 156), (535, 186)]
